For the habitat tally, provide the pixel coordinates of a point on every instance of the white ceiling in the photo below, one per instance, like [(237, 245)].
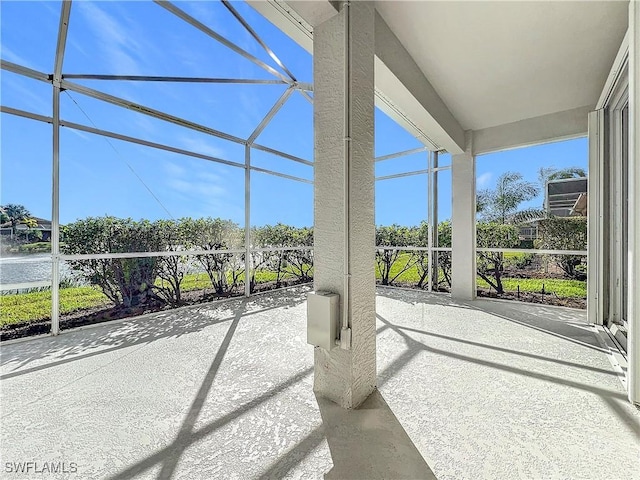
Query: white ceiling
[(494, 63)]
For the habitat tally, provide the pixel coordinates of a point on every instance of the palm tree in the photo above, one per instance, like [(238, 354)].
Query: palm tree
[(501, 204), (547, 174), (15, 213)]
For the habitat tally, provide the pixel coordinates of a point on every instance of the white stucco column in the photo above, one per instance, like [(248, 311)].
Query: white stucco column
[(633, 339), (343, 102), (463, 241)]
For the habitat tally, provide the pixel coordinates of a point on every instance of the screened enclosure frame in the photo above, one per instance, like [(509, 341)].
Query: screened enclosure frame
[(60, 82), (64, 82)]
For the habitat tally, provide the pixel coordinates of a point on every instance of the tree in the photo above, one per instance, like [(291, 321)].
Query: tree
[(171, 269), (15, 214), (444, 258), (500, 205), (223, 269), (548, 174), (394, 236), (559, 233), (125, 281), (491, 264)]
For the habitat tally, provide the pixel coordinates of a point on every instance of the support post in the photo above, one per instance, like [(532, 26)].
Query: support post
[(65, 12), (433, 227), (596, 244), (247, 221), (344, 228), (463, 241), (633, 340)]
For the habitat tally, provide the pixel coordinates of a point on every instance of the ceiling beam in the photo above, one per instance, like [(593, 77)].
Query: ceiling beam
[(402, 90), (400, 79), (532, 131)]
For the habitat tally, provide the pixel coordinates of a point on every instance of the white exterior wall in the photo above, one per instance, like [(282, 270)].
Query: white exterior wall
[(463, 241), (633, 340), (595, 228), (345, 376)]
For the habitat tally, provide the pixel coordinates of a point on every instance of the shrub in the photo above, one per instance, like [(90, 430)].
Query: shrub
[(298, 263), (490, 265), (223, 269), (394, 236), (565, 233), (125, 281)]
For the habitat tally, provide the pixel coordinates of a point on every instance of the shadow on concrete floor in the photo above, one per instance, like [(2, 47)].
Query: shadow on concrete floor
[(369, 442)]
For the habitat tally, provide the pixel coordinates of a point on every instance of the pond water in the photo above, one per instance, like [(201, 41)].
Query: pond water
[(28, 268)]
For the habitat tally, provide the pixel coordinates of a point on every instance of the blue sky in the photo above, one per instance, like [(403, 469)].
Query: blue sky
[(123, 179)]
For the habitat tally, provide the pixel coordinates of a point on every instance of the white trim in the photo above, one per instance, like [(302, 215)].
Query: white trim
[(169, 253), (633, 339), (595, 220), (619, 63), (535, 251), (550, 128), (7, 287)]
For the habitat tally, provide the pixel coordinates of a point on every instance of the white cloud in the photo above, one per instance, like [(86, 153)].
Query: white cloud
[(199, 145), (11, 56), (124, 45), (484, 180), (201, 192), (22, 87), (114, 41)]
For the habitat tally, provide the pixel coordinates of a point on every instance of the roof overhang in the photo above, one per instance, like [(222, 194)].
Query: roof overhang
[(514, 73)]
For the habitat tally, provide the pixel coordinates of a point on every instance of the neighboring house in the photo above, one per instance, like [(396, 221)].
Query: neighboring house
[(562, 196), (580, 207), (529, 231), (42, 224)]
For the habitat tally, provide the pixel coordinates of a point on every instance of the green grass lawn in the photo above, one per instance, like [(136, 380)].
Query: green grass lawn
[(561, 287), (22, 307), (38, 247), (16, 308), (37, 305)]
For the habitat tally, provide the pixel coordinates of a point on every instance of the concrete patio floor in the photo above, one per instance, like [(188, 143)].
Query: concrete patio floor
[(480, 390)]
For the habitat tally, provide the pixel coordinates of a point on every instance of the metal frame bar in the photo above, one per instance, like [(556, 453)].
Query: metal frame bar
[(433, 227), (167, 253), (281, 249), (288, 156), (252, 32), (270, 114), (146, 143), (534, 251), (303, 86), (23, 113), (405, 174), (55, 194), (248, 263), (25, 71), (404, 153), (90, 92), (152, 78), (7, 287), (283, 175), (306, 95), (159, 146), (412, 249), (60, 82), (430, 216), (203, 28)]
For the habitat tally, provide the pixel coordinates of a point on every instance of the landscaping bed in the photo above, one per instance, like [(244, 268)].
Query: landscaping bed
[(103, 310)]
